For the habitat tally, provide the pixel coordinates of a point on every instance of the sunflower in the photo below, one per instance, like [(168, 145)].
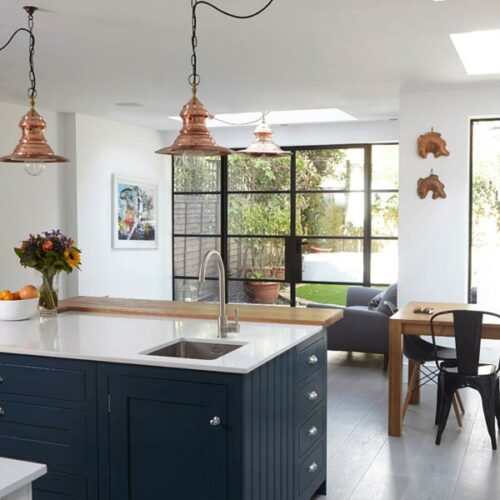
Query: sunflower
[(73, 257)]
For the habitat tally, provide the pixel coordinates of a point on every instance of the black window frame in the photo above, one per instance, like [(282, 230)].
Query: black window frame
[(292, 240)]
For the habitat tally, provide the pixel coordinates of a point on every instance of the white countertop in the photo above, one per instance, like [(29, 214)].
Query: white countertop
[(124, 339), (14, 474)]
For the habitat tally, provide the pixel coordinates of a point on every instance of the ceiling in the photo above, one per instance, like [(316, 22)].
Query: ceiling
[(299, 54)]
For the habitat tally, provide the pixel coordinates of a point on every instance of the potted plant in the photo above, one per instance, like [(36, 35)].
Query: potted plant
[(265, 292)]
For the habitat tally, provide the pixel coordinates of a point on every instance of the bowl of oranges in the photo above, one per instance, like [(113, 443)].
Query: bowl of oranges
[(16, 306)]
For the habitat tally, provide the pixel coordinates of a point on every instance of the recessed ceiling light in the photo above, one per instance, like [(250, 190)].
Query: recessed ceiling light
[(478, 51), (298, 116)]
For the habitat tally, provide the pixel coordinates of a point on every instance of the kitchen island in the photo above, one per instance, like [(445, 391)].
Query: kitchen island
[(84, 394)]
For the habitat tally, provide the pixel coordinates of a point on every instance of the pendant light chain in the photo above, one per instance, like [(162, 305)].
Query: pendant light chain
[(32, 90), (194, 78)]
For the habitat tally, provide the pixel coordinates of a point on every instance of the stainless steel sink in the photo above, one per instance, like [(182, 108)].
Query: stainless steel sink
[(195, 350)]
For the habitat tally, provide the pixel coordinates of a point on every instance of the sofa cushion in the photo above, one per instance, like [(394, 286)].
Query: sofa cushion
[(375, 302), (391, 295)]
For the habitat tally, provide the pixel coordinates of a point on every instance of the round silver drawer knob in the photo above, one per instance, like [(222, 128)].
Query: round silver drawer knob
[(313, 467), (2, 412), (312, 396), (1, 379), (313, 359), (215, 421), (313, 431)]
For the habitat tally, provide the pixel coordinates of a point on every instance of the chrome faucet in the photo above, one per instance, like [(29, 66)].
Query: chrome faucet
[(225, 326)]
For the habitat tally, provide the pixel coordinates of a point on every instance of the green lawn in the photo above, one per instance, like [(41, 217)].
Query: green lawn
[(323, 294)]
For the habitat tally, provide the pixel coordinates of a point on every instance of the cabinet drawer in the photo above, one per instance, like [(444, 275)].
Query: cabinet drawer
[(42, 434), (312, 431), (41, 382), (58, 485), (312, 359), (312, 467), (311, 395)]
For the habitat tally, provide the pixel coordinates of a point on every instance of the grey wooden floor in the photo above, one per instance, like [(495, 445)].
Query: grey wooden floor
[(365, 463)]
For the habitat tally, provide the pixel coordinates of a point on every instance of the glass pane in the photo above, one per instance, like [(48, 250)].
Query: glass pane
[(485, 264), (189, 253), (193, 291), (256, 258), (260, 214), (385, 166), (196, 214), (259, 292), (384, 262), (321, 294), (385, 214), (332, 260), (258, 174), (330, 214), (203, 176), (330, 169)]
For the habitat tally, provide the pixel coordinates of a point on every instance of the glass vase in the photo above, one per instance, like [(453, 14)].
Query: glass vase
[(48, 294)]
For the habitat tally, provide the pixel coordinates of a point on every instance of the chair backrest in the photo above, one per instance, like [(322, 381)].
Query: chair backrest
[(468, 326)]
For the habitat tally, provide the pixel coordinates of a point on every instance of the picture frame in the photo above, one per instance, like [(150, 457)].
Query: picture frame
[(134, 213)]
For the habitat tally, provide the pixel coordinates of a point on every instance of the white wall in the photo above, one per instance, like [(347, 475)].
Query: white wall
[(311, 134), (433, 262), (27, 204), (105, 147)]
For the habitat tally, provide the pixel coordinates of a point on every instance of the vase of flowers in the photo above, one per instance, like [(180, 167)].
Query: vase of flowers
[(49, 253)]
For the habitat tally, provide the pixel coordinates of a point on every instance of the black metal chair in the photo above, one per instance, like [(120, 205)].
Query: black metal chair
[(421, 352), (466, 370)]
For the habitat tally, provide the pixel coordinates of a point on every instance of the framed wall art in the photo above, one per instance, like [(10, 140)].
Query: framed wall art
[(135, 213)]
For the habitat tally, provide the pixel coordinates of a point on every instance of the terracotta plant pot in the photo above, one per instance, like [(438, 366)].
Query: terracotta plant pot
[(265, 292), (279, 273), (319, 249)]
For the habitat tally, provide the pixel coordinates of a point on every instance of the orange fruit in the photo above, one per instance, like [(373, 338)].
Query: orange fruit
[(6, 295), (28, 292)]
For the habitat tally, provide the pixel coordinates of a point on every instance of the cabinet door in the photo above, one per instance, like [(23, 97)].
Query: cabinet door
[(162, 443)]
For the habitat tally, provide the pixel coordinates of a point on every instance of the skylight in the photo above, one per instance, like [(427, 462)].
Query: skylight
[(478, 51), (324, 115)]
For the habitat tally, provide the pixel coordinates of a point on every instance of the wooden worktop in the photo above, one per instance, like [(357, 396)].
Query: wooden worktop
[(202, 310)]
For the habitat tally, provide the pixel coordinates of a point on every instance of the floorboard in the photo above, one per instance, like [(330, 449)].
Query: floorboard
[(365, 463)]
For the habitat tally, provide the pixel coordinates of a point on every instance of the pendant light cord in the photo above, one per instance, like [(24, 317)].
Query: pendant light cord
[(32, 90), (194, 78)]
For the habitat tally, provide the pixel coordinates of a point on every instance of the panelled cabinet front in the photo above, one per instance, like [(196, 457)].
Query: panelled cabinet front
[(167, 439)]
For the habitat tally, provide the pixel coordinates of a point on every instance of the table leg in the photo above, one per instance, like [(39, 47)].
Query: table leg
[(415, 395), (395, 378)]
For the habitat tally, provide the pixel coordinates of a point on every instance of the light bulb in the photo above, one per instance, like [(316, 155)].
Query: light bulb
[(34, 168), (193, 161)]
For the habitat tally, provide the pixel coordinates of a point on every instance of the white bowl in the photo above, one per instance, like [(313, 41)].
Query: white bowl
[(16, 310)]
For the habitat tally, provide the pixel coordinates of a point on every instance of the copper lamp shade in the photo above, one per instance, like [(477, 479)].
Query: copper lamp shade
[(33, 146), (194, 137), (263, 144)]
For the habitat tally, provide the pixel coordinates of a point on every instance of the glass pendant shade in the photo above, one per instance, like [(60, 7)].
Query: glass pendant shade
[(33, 148), (263, 144), (194, 138)]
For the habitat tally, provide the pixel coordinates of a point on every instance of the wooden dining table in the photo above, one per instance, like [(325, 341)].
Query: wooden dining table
[(406, 322)]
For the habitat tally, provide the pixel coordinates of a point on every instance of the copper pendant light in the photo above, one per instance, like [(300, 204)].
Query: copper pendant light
[(263, 145), (33, 149), (194, 139)]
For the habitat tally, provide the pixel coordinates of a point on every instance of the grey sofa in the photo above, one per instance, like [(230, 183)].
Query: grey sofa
[(362, 329)]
